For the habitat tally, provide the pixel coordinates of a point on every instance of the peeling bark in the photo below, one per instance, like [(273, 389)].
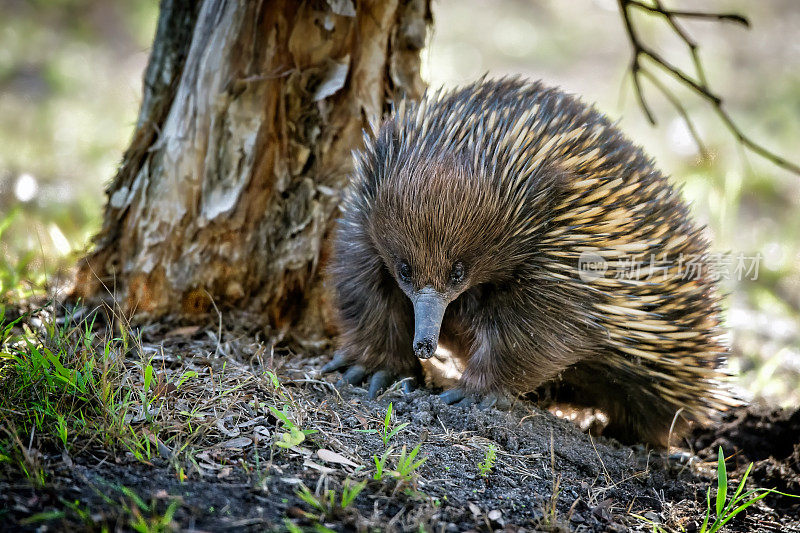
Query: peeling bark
[(231, 183)]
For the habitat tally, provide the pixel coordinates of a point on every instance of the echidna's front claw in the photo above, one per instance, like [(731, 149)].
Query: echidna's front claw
[(409, 384), (499, 401), (453, 396), (353, 375), (339, 360), (380, 380)]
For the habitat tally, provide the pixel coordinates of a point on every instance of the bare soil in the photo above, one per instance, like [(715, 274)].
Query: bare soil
[(548, 476)]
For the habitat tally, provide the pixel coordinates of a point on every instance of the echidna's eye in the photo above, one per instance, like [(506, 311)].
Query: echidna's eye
[(457, 274), (404, 271)]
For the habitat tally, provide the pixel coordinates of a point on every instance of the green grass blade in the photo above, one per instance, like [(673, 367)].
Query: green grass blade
[(744, 506), (305, 494), (351, 491), (388, 419), (396, 430), (291, 527), (135, 498), (722, 483), (281, 416)]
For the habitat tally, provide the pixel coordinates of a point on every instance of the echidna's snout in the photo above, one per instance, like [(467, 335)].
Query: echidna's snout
[(429, 307)]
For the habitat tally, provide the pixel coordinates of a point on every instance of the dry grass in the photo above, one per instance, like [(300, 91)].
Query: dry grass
[(209, 404)]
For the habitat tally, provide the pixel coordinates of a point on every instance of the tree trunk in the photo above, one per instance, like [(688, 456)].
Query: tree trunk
[(231, 183)]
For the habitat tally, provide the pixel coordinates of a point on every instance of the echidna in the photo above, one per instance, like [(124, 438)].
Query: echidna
[(517, 227)]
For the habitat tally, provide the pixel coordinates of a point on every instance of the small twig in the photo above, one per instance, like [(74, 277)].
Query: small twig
[(672, 428), (597, 453), (637, 85), (635, 65), (699, 85), (688, 41), (679, 107), (669, 13)]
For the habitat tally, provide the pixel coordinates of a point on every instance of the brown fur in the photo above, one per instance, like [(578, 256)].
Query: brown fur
[(516, 180)]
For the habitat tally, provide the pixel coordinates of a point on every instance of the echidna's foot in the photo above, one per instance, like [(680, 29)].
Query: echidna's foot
[(459, 396), (339, 360), (355, 374)]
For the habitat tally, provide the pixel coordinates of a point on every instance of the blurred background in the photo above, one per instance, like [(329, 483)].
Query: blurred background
[(70, 84)]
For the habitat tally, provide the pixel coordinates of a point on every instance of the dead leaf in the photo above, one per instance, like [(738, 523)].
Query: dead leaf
[(260, 432), (332, 457), (185, 331), (220, 424), (238, 442), (250, 422), (318, 467)]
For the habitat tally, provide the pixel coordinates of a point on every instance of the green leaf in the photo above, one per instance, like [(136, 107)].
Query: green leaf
[(185, 376), (305, 494), (6, 221), (42, 517), (743, 507), (170, 513), (135, 498), (283, 416), (387, 420), (350, 492), (274, 379), (722, 482), (291, 527), (293, 438), (396, 430), (735, 497), (148, 377)]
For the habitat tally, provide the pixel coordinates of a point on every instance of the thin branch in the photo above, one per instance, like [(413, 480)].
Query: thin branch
[(699, 85), (681, 109), (753, 146), (635, 64), (669, 13), (687, 40), (677, 73), (635, 70)]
